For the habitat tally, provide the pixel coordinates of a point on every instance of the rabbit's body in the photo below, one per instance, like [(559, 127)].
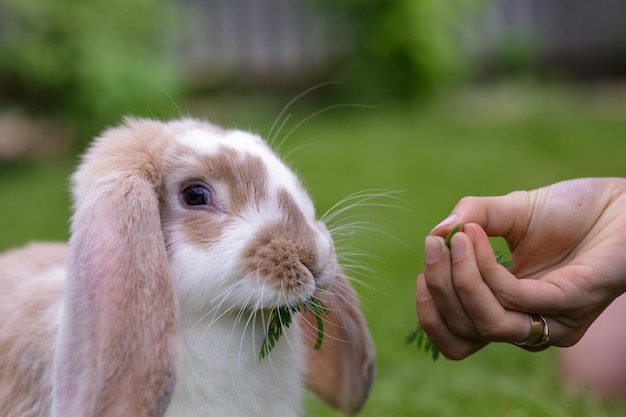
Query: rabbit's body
[(31, 288), (219, 371), (184, 237)]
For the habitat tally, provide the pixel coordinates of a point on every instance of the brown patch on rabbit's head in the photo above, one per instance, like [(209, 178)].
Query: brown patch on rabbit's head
[(232, 181)]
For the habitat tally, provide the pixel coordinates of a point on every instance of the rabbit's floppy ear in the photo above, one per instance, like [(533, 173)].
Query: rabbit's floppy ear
[(116, 349), (342, 370)]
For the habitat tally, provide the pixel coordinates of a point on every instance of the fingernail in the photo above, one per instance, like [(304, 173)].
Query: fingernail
[(448, 221), (457, 249), (421, 292), (468, 229), (432, 247)]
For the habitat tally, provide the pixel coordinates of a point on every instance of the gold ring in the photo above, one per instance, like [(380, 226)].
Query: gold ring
[(539, 332)]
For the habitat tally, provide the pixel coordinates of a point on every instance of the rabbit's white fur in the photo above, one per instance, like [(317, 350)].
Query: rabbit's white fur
[(233, 382), (166, 303)]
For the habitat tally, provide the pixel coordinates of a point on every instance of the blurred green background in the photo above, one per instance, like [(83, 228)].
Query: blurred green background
[(433, 102)]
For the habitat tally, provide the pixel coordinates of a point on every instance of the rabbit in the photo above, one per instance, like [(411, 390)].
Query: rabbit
[(184, 236)]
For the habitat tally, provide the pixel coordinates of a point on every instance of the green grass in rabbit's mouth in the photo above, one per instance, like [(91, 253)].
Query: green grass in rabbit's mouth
[(280, 319)]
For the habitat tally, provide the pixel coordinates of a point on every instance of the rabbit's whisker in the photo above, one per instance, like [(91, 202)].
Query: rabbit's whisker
[(364, 199), (218, 302), (251, 309), (315, 114), (180, 112), (271, 136), (222, 298)]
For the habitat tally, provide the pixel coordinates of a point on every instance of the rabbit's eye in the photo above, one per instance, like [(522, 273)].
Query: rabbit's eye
[(196, 195)]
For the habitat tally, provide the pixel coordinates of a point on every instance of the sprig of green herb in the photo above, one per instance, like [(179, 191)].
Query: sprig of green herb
[(504, 262), (317, 308), (451, 233), (419, 336), (280, 319)]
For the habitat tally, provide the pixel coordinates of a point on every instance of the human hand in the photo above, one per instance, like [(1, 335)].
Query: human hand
[(568, 245)]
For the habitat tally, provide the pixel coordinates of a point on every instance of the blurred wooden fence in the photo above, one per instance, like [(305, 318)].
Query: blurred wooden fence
[(261, 40), (588, 37), (284, 40)]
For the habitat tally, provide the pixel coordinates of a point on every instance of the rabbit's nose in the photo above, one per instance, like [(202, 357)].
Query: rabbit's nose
[(285, 263)]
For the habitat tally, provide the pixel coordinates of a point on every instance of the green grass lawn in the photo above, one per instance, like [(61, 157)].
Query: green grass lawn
[(484, 141)]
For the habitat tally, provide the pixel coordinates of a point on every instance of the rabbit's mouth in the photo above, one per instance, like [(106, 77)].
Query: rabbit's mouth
[(296, 296), (290, 268)]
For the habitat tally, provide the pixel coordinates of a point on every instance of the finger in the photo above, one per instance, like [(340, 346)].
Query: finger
[(489, 318), (521, 297), (567, 321), (437, 272), (498, 216), (542, 296), (450, 345)]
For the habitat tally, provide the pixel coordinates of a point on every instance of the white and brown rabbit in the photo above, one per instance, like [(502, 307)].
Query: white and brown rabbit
[(183, 238)]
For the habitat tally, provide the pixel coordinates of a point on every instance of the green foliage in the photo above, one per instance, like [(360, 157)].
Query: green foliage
[(451, 233), (91, 61), (504, 262), (404, 48), (420, 338), (316, 307), (280, 319)]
